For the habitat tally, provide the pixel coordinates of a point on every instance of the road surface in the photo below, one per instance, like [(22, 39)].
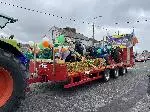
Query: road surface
[(128, 93)]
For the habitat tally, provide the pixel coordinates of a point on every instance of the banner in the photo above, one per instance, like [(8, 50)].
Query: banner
[(122, 41)]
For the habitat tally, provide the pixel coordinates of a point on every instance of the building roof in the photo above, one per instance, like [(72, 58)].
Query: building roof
[(95, 41), (71, 32), (81, 36)]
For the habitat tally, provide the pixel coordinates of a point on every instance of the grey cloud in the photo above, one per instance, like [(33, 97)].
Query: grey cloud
[(31, 26)]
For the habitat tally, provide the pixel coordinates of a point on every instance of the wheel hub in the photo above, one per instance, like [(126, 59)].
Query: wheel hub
[(116, 73), (107, 75), (124, 71), (6, 86)]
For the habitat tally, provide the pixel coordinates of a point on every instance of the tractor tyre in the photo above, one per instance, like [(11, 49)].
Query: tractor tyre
[(12, 82)]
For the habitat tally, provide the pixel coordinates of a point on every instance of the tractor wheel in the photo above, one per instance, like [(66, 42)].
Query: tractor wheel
[(115, 73), (122, 71), (106, 75), (12, 82)]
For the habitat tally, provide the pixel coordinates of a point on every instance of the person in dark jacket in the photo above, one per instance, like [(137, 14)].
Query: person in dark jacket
[(79, 48), (72, 57)]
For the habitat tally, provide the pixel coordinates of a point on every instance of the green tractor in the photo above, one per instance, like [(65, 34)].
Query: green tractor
[(13, 71)]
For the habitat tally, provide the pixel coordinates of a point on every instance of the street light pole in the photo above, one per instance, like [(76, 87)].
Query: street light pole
[(94, 29), (53, 29), (133, 30), (93, 32), (118, 32)]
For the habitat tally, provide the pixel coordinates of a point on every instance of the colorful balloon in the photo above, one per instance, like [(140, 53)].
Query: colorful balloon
[(45, 44), (40, 45), (61, 39)]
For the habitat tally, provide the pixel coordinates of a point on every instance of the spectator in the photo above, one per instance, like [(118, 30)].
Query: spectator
[(79, 48)]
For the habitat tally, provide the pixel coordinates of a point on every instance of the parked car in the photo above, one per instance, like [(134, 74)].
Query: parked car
[(148, 58), (140, 58)]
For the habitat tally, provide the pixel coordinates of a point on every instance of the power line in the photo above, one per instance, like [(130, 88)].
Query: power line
[(46, 13), (70, 19), (42, 12)]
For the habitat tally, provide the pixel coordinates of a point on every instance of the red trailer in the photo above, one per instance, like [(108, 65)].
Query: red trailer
[(45, 71)]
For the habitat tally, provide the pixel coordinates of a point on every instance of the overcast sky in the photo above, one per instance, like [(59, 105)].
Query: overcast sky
[(32, 25)]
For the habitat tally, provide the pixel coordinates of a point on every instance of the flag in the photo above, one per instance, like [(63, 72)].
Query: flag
[(134, 39)]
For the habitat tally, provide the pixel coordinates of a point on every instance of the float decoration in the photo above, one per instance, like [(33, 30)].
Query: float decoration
[(122, 41), (85, 65), (61, 39), (45, 44)]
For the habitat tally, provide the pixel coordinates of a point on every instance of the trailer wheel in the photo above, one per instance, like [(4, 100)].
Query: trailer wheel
[(122, 71), (115, 73), (106, 75), (12, 82)]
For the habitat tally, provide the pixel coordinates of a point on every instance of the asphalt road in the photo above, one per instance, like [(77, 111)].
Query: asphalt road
[(128, 93)]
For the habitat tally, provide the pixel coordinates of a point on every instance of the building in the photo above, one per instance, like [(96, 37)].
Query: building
[(71, 35), (83, 39), (68, 32)]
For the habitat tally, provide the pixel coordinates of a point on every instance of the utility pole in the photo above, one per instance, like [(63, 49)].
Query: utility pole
[(118, 32), (93, 33), (53, 29), (94, 29), (133, 29)]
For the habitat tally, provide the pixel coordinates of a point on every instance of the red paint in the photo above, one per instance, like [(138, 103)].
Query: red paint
[(61, 73), (6, 86), (81, 82)]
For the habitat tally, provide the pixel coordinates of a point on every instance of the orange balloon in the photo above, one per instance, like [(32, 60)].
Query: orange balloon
[(45, 44)]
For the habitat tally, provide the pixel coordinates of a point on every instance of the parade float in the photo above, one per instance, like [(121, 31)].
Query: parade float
[(119, 53)]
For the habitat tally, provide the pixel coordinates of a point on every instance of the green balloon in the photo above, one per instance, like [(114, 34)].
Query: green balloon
[(61, 39), (41, 46)]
